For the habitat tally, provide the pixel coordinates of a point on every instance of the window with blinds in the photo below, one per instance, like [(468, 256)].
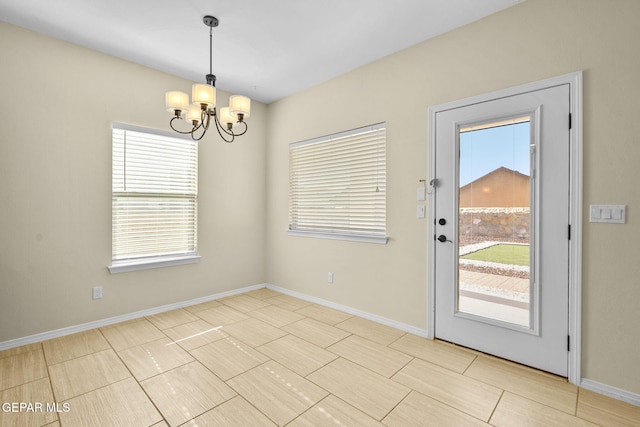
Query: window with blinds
[(337, 185), (154, 198)]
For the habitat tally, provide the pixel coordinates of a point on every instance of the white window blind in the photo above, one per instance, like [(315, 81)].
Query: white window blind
[(337, 185), (154, 195)]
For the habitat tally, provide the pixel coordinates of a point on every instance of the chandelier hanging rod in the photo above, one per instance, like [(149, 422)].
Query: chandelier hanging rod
[(211, 21)]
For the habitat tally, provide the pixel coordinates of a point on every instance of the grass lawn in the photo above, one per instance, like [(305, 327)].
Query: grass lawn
[(503, 254)]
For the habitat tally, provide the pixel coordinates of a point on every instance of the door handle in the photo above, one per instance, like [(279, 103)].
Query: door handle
[(442, 238)]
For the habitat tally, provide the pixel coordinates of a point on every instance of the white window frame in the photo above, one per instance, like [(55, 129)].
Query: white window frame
[(129, 261), (339, 158)]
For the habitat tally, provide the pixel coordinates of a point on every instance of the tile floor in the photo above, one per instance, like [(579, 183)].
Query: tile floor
[(265, 359)]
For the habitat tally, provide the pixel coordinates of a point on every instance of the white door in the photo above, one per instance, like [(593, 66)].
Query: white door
[(501, 243)]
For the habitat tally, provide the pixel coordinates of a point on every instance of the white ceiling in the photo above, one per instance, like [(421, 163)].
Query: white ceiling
[(265, 49)]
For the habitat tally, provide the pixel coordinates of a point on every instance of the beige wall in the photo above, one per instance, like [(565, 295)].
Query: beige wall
[(531, 41), (57, 104)]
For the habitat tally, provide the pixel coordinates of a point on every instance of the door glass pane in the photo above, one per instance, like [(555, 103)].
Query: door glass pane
[(494, 221)]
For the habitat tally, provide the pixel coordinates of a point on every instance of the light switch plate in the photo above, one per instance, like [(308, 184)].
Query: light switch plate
[(422, 211), (421, 194), (610, 214)]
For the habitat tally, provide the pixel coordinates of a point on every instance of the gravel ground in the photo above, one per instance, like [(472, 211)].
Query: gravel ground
[(495, 271), (473, 240)]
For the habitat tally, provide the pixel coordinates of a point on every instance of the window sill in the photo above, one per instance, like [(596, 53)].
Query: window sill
[(149, 263), (382, 240)]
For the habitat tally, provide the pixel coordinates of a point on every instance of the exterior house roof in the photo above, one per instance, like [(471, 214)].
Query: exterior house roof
[(500, 188)]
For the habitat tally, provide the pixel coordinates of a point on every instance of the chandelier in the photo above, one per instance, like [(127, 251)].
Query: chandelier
[(229, 121)]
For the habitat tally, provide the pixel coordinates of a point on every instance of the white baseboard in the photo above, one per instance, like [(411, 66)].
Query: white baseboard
[(373, 317), (607, 390), (4, 345)]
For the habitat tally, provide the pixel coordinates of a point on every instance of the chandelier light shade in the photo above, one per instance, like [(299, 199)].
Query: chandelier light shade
[(176, 101), (203, 94), (226, 117), (202, 111), (239, 105)]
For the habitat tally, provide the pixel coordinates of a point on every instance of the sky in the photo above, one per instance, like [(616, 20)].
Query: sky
[(482, 151)]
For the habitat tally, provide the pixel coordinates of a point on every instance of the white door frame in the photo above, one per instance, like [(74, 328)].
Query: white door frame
[(575, 204)]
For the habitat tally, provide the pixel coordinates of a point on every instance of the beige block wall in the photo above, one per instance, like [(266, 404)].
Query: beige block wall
[(57, 104), (532, 41)]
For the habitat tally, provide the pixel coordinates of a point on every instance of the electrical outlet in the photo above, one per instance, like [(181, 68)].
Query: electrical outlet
[(97, 292), (329, 277)]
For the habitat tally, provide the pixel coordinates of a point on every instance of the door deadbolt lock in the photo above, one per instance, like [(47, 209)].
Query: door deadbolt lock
[(442, 221)]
